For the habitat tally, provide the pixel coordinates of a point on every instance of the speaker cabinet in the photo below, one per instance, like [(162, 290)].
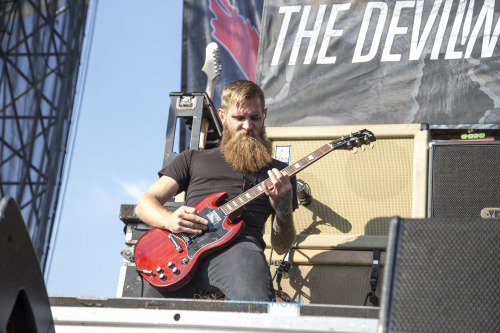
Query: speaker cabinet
[(24, 303), (353, 198), (341, 277), (355, 195), (441, 275), (463, 178)]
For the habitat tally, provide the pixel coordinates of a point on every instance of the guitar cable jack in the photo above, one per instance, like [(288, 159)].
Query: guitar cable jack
[(150, 273)]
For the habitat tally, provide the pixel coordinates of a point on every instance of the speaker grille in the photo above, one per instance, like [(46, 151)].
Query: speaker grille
[(465, 179), (446, 276), (328, 284), (354, 194)]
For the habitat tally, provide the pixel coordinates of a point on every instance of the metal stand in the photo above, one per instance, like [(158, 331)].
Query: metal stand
[(200, 119)]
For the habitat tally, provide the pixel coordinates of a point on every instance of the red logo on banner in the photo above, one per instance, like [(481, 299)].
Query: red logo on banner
[(236, 34)]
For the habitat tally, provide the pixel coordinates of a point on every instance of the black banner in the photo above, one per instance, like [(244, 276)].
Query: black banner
[(234, 26), (325, 62)]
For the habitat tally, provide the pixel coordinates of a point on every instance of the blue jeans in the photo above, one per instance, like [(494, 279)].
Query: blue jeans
[(239, 271)]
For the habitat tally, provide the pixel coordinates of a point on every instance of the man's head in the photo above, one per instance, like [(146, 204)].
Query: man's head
[(242, 107), (239, 91), (244, 143)]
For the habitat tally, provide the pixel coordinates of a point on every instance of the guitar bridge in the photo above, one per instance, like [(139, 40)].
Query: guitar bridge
[(176, 244)]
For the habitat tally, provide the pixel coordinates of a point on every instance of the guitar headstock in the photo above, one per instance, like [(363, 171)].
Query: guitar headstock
[(354, 140), (212, 67)]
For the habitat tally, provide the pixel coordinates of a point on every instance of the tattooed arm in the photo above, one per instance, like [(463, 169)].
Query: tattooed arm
[(283, 231)]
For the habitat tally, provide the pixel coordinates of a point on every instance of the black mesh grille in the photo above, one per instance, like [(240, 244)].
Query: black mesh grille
[(447, 276), (465, 179)]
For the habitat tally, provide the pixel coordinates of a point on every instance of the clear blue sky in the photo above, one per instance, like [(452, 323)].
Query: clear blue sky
[(135, 62)]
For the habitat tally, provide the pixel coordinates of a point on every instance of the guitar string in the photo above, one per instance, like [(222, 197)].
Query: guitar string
[(304, 162), (256, 191)]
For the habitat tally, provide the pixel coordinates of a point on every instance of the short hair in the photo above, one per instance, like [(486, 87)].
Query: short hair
[(239, 91)]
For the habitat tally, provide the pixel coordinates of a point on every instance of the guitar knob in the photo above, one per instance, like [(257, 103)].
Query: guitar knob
[(162, 277), (159, 270), (170, 265), (176, 271)]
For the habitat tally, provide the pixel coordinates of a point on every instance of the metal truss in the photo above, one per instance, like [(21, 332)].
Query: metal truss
[(41, 43)]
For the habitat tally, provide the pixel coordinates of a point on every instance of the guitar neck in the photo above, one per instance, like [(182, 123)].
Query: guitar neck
[(212, 69), (209, 90), (245, 198)]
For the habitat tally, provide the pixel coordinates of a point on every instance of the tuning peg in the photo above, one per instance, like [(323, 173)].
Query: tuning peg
[(372, 145), (354, 150), (363, 147)]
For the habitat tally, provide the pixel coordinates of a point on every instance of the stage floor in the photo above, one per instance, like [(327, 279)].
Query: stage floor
[(82, 314)]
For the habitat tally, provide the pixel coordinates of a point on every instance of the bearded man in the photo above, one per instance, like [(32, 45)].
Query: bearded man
[(244, 159)]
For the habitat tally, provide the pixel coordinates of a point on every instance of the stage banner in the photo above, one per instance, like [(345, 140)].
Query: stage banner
[(345, 62), (234, 26)]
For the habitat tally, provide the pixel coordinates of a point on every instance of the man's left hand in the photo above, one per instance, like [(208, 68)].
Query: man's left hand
[(280, 194)]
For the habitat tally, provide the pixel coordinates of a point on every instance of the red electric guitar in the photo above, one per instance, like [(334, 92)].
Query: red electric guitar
[(168, 260)]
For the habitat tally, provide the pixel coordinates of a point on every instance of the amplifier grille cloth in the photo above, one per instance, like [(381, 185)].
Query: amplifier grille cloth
[(465, 179), (329, 284), (354, 194)]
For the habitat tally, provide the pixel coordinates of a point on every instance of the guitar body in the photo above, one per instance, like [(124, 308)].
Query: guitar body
[(178, 255)]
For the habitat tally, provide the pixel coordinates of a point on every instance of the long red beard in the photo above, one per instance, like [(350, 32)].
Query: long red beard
[(246, 154)]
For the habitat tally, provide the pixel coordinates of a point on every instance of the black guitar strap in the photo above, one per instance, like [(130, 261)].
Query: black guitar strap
[(249, 181)]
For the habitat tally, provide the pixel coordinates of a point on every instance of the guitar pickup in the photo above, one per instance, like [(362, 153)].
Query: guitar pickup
[(176, 244), (186, 238)]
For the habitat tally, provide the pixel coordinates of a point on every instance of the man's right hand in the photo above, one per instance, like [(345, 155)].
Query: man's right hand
[(186, 219), (150, 209)]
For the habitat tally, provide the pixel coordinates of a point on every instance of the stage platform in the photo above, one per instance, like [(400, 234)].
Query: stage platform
[(81, 314)]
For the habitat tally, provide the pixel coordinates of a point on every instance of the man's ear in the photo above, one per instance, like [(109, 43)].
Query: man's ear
[(264, 113), (221, 114)]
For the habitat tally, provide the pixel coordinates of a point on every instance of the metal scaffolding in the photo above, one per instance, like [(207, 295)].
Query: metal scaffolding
[(41, 45)]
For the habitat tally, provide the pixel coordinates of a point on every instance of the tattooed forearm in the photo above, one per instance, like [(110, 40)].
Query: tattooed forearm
[(283, 205), (283, 233)]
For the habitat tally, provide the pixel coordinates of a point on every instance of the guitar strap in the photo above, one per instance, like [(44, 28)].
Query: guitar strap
[(249, 180)]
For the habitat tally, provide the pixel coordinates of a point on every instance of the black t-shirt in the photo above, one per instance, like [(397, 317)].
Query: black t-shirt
[(201, 173)]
